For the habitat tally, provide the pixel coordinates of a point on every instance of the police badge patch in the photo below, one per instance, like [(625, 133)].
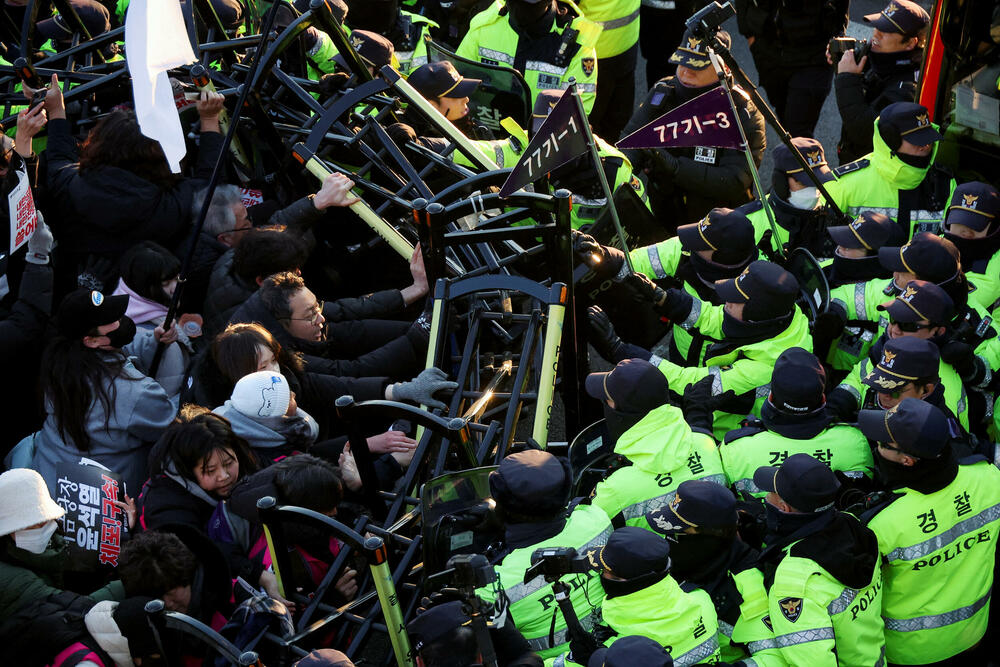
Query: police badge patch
[(588, 65), (791, 608)]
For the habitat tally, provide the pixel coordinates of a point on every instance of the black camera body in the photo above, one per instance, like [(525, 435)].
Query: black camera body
[(470, 571), (838, 46), (709, 19), (554, 562)]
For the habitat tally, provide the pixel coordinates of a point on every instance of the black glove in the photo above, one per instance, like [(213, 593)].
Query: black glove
[(329, 84), (439, 597), (605, 261), (962, 357), (401, 133), (843, 405), (697, 405), (830, 324), (581, 648), (674, 304), (602, 334)]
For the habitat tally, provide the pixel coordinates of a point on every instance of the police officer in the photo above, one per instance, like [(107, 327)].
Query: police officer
[(407, 31), (617, 50), (825, 593), (759, 320), (375, 50), (799, 209), (899, 177), (548, 41), (794, 420), (532, 491), (630, 651), (927, 257), (937, 533), (685, 183), (887, 74), (787, 42), (442, 635), (717, 247), (855, 259), (641, 598), (700, 524), (922, 312), (652, 434), (971, 224)]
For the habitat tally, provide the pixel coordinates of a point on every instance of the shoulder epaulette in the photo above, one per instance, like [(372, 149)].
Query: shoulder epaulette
[(851, 166), (751, 207)]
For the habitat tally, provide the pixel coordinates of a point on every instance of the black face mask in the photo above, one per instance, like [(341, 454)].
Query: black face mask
[(918, 161), (710, 271), (973, 250), (618, 422), (736, 329), (530, 18), (848, 270), (927, 476), (613, 589), (693, 555), (782, 524), (686, 93), (124, 334)]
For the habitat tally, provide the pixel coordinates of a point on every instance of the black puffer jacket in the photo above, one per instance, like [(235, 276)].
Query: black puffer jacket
[(226, 293)]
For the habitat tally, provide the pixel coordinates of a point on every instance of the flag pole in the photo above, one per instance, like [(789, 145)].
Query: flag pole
[(601, 176), (724, 82), (234, 121)]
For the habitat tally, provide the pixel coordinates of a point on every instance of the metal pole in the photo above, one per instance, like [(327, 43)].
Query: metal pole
[(601, 176)]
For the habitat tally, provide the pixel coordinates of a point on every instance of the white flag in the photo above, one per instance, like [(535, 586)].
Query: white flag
[(156, 41)]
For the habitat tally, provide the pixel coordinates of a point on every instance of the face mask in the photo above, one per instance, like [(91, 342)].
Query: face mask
[(856, 270), (613, 589), (124, 334), (710, 271), (691, 554), (34, 540), (806, 199), (619, 422), (781, 524), (917, 161)]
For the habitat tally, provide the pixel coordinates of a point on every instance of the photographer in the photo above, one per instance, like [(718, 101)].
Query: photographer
[(887, 73), (442, 636)]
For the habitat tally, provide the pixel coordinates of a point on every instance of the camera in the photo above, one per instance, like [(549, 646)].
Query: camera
[(838, 46), (557, 561), (710, 18), (468, 571)]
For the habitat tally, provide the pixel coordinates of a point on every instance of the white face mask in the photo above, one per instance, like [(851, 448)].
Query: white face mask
[(806, 199), (35, 540)]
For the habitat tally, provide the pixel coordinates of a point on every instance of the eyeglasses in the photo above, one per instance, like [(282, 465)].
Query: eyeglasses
[(316, 311), (897, 392), (911, 327)]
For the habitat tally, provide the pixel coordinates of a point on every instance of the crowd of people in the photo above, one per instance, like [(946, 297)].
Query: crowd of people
[(788, 486)]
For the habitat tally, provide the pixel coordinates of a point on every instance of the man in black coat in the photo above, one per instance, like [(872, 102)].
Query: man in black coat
[(684, 184), (889, 73)]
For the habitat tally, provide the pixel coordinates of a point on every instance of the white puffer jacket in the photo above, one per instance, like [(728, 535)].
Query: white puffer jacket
[(102, 627)]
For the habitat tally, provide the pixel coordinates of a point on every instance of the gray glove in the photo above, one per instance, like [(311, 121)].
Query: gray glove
[(422, 388), (40, 243)]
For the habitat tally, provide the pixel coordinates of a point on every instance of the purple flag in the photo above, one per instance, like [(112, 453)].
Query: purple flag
[(707, 120), (561, 137)]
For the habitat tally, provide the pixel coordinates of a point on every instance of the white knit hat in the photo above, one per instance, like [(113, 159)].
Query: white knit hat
[(25, 501), (261, 394)]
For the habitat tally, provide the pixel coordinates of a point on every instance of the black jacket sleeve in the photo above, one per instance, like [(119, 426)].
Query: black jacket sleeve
[(379, 304), (857, 117), (25, 325), (62, 157)]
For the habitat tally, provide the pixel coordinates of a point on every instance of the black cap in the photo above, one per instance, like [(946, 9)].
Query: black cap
[(768, 290), (631, 651), (437, 622), (921, 300), (632, 552), (917, 427), (84, 310), (927, 256), (532, 482), (325, 657), (812, 151), (94, 15), (698, 503), (724, 230), (974, 205), (797, 382), (635, 385), (374, 49), (903, 360), (912, 121), (545, 102), (803, 482), (693, 50), (870, 231), (901, 16), (441, 79)]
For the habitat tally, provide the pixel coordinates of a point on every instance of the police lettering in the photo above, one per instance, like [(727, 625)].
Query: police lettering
[(576, 583), (953, 550), (865, 599)]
